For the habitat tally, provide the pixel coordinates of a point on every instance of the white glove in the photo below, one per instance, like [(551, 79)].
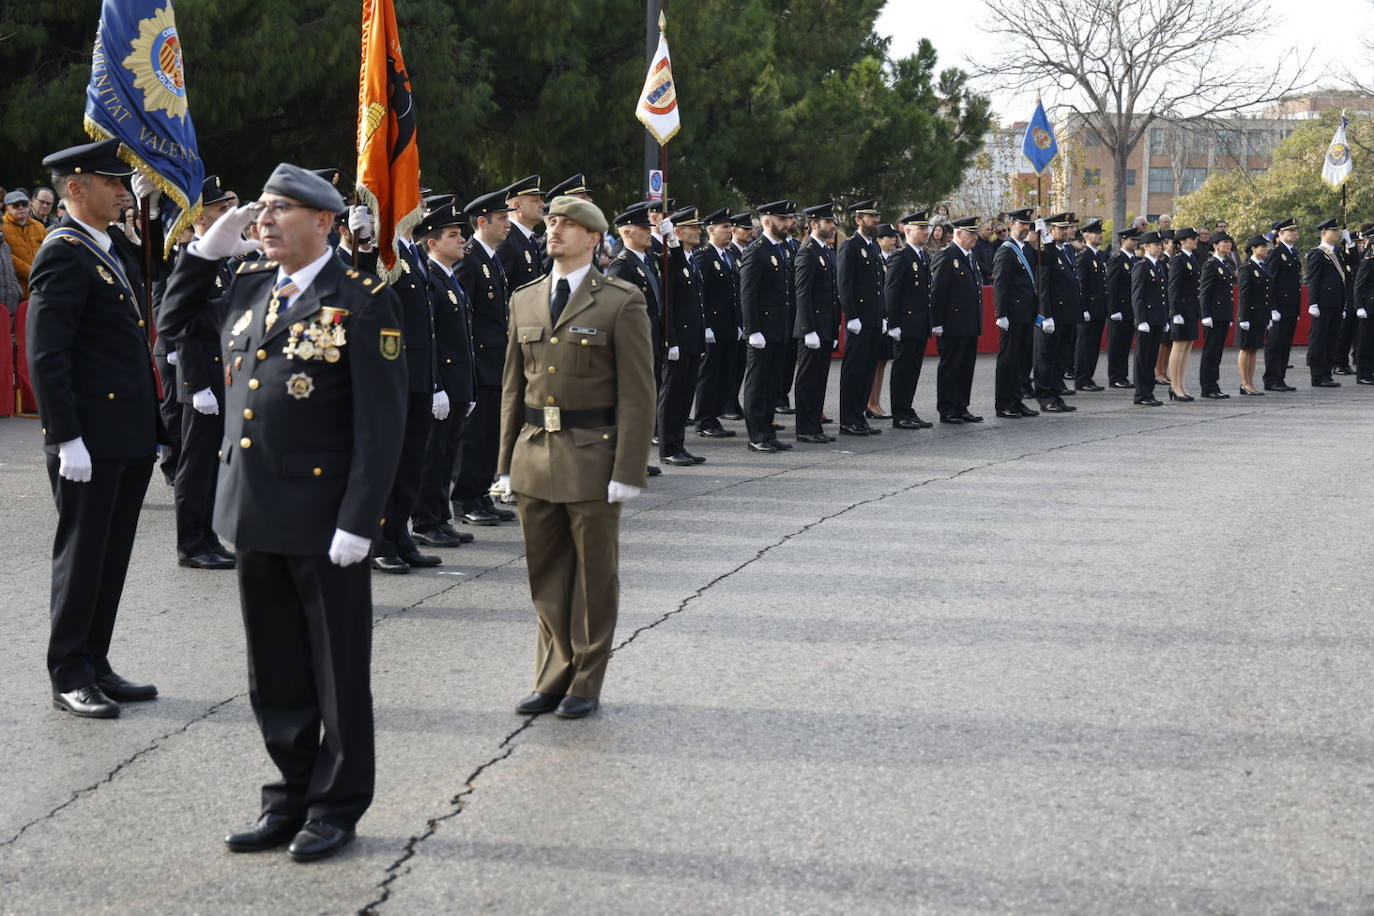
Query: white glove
[(1117, 316), (348, 549), (666, 227), (171, 357), (884, 325), (812, 340), (674, 354), (740, 333), (1207, 323), (503, 483), (204, 401), (472, 405), (1047, 325), (144, 187), (1245, 325), (360, 223), (1314, 311), (1087, 316), (938, 330), (1004, 322), (1345, 236), (74, 462), (854, 325), (1178, 319), (710, 336), (894, 333), (1143, 327), (439, 406), (757, 341), (1274, 316), (1361, 313), (617, 492), (225, 238)]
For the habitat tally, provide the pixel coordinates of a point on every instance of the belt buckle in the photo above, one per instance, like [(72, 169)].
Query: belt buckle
[(553, 419)]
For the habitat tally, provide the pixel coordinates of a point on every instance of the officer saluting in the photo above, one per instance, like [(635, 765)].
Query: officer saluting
[(576, 418), (93, 376), (315, 380)]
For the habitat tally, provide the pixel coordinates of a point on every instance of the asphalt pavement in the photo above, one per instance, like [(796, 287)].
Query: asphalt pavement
[(1116, 661)]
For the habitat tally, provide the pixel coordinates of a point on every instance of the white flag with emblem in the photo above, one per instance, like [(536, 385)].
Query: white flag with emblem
[(657, 108), (1336, 167)]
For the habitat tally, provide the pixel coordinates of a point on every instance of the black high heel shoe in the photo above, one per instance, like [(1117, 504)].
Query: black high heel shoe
[(1180, 397), (876, 414), (1249, 393)]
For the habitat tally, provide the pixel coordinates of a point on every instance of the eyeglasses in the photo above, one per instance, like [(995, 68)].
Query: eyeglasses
[(275, 207)]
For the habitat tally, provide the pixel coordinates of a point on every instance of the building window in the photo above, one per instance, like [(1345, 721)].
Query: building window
[(1161, 180), (1230, 143), (1192, 180), (1259, 143), (1198, 142), (1130, 178), (1092, 178), (1091, 139), (1157, 141)]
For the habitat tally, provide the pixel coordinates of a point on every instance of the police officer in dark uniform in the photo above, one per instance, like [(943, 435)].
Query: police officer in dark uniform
[(1217, 297), (956, 316), (1120, 316), (92, 373), (764, 291), (1059, 307), (316, 396), (1285, 266), (859, 276), (1362, 301), (484, 278), (906, 295), (521, 256), (786, 367), (686, 339), (1015, 301), (1092, 289), (636, 264), (1150, 303), (718, 269), (1327, 288), (817, 322), (200, 395)]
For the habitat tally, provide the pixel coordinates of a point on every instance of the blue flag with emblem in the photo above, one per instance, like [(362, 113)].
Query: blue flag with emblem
[(1039, 144), (137, 95)]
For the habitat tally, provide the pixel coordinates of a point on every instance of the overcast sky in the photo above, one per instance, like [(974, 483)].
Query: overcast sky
[(953, 28)]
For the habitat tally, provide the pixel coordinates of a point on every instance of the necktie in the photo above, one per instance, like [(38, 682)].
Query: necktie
[(561, 292), (284, 290)]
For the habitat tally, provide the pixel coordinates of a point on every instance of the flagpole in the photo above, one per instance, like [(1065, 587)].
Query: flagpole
[(145, 233), (664, 266)]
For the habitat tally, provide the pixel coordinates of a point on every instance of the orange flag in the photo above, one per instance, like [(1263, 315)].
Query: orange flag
[(388, 151)]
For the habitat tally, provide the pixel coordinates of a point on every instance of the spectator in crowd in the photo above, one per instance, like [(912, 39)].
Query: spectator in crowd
[(1165, 221), (9, 283), (40, 207), (939, 238), (24, 235)]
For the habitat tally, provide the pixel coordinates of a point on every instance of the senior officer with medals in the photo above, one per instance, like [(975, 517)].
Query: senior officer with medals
[(577, 414), (1328, 289), (315, 380), (97, 399)]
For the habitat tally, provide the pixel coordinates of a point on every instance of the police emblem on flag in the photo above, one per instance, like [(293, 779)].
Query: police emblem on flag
[(155, 62), (661, 97), (1041, 137), (1338, 154)]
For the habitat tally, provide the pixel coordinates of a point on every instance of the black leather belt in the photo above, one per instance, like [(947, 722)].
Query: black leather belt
[(556, 418)]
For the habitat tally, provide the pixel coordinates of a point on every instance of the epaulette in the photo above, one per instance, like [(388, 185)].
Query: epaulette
[(367, 281), (622, 284), (249, 266)]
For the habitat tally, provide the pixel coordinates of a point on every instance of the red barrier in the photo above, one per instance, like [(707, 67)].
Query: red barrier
[(25, 401), (7, 382)]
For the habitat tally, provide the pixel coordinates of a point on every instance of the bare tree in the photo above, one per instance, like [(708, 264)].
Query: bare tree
[(1121, 65)]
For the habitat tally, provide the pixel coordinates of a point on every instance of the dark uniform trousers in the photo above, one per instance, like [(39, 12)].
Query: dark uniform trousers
[(740, 364), (433, 504), (716, 386), (1146, 351), (1087, 349), (857, 366), (309, 622), (1049, 377), (1278, 347), (678, 384), (575, 586), (197, 472), (95, 527), (394, 540), (813, 372), (1213, 347), (1321, 343), (908, 357), (1119, 337), (954, 376), (1014, 358), (1347, 341), (759, 392), (171, 412), (1364, 348), (476, 462)]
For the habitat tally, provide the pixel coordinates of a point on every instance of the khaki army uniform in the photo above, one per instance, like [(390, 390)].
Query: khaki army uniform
[(577, 411)]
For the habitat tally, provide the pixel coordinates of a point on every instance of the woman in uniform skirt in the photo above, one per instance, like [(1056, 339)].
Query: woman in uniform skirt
[(1256, 301), (1185, 311), (1162, 359)]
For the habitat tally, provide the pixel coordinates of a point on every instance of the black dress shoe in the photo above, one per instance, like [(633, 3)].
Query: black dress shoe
[(1278, 386), (268, 832), (505, 515), (1120, 384), (970, 418), (1056, 407), (876, 415), (1066, 392), (1162, 383), (318, 840), (825, 420), (1090, 386), (780, 445), (851, 430), (777, 427), (1149, 402), (1215, 395), (1342, 370), (537, 703), (716, 432), (1008, 414), (906, 423), (951, 419), (696, 458), (873, 430), (1364, 381), (813, 438), (87, 702), (924, 424), (1326, 383), (765, 447), (223, 551), (479, 517), (435, 537), (654, 441), (124, 691), (447, 529), (653, 470), (575, 707), (678, 461), (421, 560), (1183, 398), (207, 560), (1026, 411), (390, 565)]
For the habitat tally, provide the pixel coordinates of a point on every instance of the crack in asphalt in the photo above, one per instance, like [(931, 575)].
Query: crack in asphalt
[(119, 767)]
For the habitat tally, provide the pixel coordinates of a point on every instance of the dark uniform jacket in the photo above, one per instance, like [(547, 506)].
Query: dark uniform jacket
[(88, 353), (1059, 293), (687, 329), (818, 302), (311, 442), (631, 268), (1217, 290), (453, 353), (1364, 282), (1183, 286), (1285, 267), (1013, 283), (719, 293), (956, 296), (1092, 284), (859, 276), (1256, 293), (1326, 283), (763, 290), (199, 365), (520, 257), (1119, 285), (417, 319), (486, 285), (1150, 291), (906, 292)]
